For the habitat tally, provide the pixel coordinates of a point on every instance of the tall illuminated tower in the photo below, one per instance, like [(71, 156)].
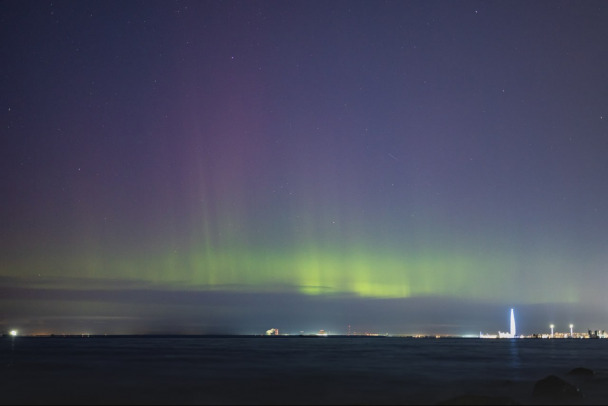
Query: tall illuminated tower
[(512, 324)]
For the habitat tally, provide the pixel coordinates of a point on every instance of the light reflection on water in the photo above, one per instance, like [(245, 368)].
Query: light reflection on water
[(514, 359)]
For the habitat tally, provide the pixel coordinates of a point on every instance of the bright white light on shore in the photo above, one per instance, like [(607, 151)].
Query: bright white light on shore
[(13, 333)]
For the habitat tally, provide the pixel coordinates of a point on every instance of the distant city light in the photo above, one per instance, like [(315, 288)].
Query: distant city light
[(13, 333), (272, 332)]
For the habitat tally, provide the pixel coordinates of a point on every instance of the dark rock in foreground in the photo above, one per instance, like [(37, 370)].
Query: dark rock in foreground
[(581, 372), (479, 400), (555, 388)]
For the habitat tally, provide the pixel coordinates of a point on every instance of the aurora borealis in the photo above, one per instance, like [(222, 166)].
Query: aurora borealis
[(202, 167)]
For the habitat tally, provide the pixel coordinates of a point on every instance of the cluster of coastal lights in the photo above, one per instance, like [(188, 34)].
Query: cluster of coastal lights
[(553, 326), (13, 333)]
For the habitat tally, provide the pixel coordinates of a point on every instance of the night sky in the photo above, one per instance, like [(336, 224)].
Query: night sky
[(230, 167)]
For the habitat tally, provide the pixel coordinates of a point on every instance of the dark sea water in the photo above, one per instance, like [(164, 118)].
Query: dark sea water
[(289, 370)]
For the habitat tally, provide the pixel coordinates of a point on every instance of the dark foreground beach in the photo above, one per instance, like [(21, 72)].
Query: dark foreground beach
[(296, 370)]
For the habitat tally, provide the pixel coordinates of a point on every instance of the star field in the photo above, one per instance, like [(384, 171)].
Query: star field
[(212, 166)]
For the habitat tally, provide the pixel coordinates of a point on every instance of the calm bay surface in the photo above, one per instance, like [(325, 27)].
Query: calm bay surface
[(289, 370)]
